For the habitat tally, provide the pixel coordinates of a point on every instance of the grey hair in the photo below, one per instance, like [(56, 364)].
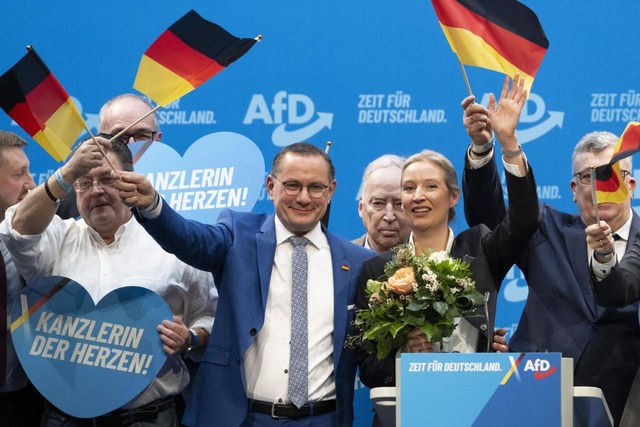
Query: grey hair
[(382, 162), (596, 142)]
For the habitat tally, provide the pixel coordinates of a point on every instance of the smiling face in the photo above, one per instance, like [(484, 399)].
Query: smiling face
[(300, 213), (101, 207), (615, 214), (426, 198), (380, 208)]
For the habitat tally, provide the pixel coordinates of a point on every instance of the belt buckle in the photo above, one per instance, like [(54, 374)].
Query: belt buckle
[(273, 411)]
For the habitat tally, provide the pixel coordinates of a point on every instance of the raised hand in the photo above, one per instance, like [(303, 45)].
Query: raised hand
[(135, 190), (505, 115)]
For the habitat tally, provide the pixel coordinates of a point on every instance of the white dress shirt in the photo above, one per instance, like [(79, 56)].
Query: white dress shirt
[(266, 361), (72, 249)]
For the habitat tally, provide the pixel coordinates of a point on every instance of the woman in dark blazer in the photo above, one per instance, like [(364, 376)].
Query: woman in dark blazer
[(430, 193)]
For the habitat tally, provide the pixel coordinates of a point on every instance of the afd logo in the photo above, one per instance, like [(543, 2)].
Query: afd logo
[(541, 368), (294, 113), (515, 286), (535, 112)]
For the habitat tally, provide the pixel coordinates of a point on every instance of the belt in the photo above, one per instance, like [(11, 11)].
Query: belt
[(277, 410), (125, 417)]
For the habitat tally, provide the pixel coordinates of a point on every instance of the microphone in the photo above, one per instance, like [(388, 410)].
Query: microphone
[(486, 315)]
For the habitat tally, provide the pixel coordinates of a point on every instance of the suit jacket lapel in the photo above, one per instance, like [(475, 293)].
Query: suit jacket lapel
[(341, 278), (265, 250), (633, 230)]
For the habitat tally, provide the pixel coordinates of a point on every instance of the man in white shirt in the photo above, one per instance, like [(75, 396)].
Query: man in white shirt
[(97, 251), (246, 374)]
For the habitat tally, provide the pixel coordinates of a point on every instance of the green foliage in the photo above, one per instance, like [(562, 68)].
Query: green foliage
[(429, 295)]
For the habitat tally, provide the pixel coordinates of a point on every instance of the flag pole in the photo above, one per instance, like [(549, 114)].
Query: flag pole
[(144, 116), (326, 149), (325, 217), (104, 154), (594, 193), (466, 79)]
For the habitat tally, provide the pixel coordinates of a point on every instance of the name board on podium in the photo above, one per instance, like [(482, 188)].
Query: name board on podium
[(484, 389)]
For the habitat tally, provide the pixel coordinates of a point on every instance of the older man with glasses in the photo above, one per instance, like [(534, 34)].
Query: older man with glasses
[(561, 313), (105, 250)]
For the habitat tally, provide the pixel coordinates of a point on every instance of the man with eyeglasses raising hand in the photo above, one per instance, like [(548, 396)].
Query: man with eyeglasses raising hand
[(287, 298), (561, 313), (98, 252)]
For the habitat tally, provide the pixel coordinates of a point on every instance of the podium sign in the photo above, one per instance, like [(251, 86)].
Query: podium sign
[(483, 389)]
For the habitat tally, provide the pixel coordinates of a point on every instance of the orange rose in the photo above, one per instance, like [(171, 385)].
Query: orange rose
[(402, 282)]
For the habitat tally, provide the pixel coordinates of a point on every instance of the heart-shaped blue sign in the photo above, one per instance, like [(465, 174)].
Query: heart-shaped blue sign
[(220, 170), (84, 358)]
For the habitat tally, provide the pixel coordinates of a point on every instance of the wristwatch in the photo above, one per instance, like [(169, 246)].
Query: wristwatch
[(194, 341)]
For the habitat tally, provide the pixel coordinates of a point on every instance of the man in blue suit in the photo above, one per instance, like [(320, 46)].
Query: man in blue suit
[(561, 313), (243, 377)]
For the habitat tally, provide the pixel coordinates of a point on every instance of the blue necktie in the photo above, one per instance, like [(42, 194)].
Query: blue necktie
[(299, 356)]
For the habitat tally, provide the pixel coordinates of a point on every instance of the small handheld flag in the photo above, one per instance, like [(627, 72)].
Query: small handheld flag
[(185, 56), (629, 142), (500, 35), (609, 184), (608, 180), (33, 97)]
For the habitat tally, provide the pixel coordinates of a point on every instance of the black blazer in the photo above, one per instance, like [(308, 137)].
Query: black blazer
[(561, 314), (490, 255)]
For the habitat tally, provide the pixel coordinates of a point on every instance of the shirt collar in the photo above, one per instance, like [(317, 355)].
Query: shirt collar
[(118, 234), (315, 235), (447, 249), (624, 231)]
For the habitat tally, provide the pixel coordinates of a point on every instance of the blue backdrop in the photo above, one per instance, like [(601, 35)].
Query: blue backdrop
[(373, 77)]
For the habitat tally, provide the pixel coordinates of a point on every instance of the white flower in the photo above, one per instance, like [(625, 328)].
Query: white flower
[(430, 280), (439, 256)]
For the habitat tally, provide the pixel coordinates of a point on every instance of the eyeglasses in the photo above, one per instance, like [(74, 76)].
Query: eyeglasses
[(293, 188), (585, 177), (83, 184), (142, 135)]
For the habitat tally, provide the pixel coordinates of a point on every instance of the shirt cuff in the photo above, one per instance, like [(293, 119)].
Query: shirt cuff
[(601, 271), (154, 212), (515, 169), (478, 163)]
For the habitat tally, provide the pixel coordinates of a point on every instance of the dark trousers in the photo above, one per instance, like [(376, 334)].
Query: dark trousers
[(21, 408)]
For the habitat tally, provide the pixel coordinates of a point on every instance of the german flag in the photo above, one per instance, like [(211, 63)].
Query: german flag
[(500, 35), (629, 142), (186, 55), (34, 98), (609, 184)]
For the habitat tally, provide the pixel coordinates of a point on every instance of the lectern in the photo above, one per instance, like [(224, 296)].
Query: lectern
[(488, 389)]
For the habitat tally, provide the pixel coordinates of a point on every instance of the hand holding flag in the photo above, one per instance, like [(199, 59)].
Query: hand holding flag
[(608, 180)]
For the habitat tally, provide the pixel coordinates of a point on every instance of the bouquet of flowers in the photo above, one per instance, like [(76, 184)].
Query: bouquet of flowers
[(427, 291)]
